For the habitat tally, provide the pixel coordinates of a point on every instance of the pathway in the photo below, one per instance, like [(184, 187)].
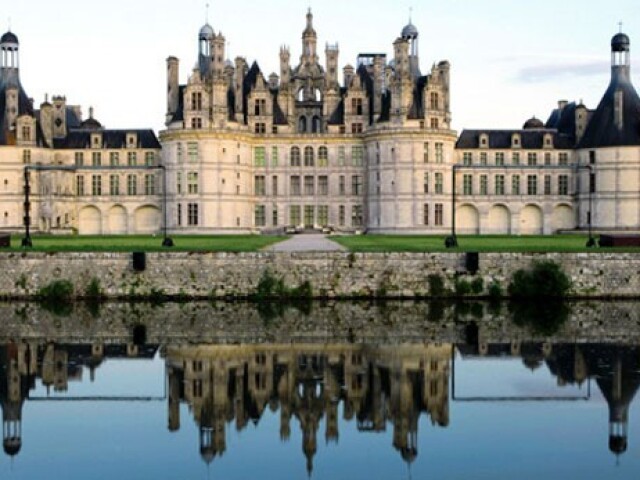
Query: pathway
[(307, 243)]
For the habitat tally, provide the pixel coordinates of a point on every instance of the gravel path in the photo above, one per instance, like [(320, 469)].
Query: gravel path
[(307, 243)]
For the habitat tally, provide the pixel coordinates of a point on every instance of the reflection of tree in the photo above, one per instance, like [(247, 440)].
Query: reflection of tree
[(541, 316)]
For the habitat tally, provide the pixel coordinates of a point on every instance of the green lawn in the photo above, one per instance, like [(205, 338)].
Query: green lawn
[(489, 243), (145, 243)]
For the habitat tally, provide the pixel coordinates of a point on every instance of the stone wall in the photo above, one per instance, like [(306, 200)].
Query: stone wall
[(331, 275)]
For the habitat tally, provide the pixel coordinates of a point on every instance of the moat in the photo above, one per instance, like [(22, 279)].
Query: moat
[(392, 390)]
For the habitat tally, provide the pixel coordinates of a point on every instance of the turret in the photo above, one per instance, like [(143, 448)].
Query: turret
[(10, 59), (410, 34), (46, 120), (285, 66), (309, 43), (332, 52), (59, 117), (205, 39)]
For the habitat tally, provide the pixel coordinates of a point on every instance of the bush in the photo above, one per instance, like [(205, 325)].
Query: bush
[(495, 290), (93, 290), (436, 285), (462, 287), (477, 286), (543, 280), (57, 291)]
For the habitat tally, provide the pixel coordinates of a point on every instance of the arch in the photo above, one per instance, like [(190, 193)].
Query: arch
[(300, 94), (117, 220), (499, 220), (295, 157), (317, 95), (90, 221), (323, 156), (563, 218), (531, 220), (302, 125), (147, 219), (309, 157), (468, 220)]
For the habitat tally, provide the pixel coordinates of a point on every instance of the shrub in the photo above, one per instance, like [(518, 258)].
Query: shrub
[(542, 280), (57, 291), (495, 290), (436, 285), (477, 286), (93, 290), (462, 287)]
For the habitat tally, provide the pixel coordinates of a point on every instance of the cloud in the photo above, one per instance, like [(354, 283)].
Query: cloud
[(554, 71)]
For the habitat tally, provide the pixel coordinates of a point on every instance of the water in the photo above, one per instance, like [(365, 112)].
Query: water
[(339, 392)]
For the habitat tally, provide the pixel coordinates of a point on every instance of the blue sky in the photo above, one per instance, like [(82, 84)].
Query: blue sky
[(511, 59)]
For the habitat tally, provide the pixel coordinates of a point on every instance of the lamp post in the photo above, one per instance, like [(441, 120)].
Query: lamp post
[(27, 241), (591, 242), (452, 240)]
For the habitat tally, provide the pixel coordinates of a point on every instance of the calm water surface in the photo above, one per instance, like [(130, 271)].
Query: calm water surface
[(97, 406)]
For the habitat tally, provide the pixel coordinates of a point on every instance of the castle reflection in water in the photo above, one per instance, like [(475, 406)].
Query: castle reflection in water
[(378, 387)]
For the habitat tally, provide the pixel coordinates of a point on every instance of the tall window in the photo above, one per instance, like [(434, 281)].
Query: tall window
[(26, 157), (260, 107), (149, 184), (260, 128), (563, 185), (309, 160), (425, 214), (79, 158), (295, 215), (179, 153), (435, 124), (547, 158), (274, 216), (309, 185), (439, 186), (467, 184), (499, 184), (426, 152), (532, 184), (132, 184), (547, 184), (192, 183), (114, 159), (80, 185), (357, 156), (196, 101), (149, 159), (192, 214), (295, 157), (483, 158), (323, 157), (179, 215), (356, 106), (295, 185), (341, 215), (96, 159), (179, 182), (259, 157), (341, 156), (260, 216), (484, 185), (96, 185), (356, 216), (132, 159), (274, 186), (532, 159), (342, 190), (439, 214), (434, 101), (323, 185), (426, 182), (260, 187), (26, 133), (192, 152), (439, 153), (323, 215), (563, 159), (515, 185), (515, 158), (114, 185), (467, 158), (356, 128), (274, 156), (500, 159), (356, 185)]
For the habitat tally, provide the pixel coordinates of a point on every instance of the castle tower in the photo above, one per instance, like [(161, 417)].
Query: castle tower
[(10, 59), (309, 43), (410, 34), (205, 40)]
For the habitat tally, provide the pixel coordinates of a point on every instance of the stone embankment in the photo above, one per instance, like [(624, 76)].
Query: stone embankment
[(330, 274)]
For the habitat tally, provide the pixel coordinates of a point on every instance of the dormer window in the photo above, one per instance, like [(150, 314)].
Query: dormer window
[(484, 141), (516, 141), (548, 141), (96, 140), (132, 140)]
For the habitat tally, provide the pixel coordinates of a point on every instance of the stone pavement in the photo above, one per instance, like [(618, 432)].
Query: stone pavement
[(307, 243)]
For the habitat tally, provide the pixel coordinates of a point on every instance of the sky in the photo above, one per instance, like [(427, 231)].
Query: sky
[(511, 59)]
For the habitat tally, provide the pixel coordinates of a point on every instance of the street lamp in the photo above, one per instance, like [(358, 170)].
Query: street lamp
[(452, 240), (591, 242)]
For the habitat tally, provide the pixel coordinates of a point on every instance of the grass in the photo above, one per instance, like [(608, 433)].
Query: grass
[(145, 243), (488, 243)]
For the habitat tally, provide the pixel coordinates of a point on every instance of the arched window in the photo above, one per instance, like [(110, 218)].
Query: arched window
[(317, 125), (309, 160), (323, 157), (300, 95), (317, 94), (302, 125), (295, 156)]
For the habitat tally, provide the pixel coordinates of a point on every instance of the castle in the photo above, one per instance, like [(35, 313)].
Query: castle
[(243, 152)]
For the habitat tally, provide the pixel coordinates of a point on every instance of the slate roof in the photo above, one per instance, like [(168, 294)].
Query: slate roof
[(501, 139), (178, 116), (602, 130), (112, 139)]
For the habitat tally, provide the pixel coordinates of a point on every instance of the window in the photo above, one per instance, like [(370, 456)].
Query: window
[(563, 185), (259, 157), (592, 157), (196, 123), (295, 217), (323, 215), (499, 184), (323, 185), (515, 158), (132, 185), (26, 157), (274, 156), (426, 182), (341, 156), (563, 159), (192, 183), (114, 159), (309, 185), (500, 159), (260, 128), (260, 216), (323, 157), (592, 183), (179, 182), (179, 215), (132, 159), (96, 185), (179, 153), (532, 184), (515, 185), (341, 186), (356, 106), (79, 185), (356, 185), (547, 158), (484, 185), (341, 215), (467, 158), (356, 128), (274, 216), (192, 214), (357, 156), (434, 123), (439, 187), (309, 157), (356, 216), (439, 153), (274, 186), (149, 159), (150, 184), (295, 157), (434, 101), (79, 158), (260, 188), (295, 185), (439, 214), (196, 101), (114, 185), (425, 214), (426, 152), (532, 159), (467, 184), (96, 159), (547, 184), (192, 152), (260, 107), (26, 133), (483, 158), (309, 215)]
